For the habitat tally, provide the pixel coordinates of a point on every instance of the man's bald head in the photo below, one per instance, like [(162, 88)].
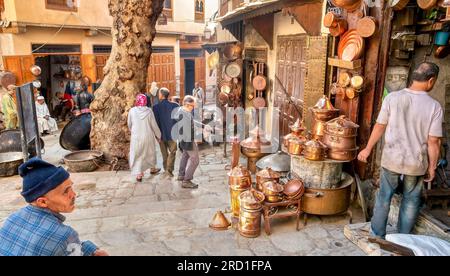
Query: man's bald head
[(424, 76), (425, 71)]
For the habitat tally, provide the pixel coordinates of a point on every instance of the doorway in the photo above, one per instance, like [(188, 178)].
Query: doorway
[(45, 78), (189, 73)]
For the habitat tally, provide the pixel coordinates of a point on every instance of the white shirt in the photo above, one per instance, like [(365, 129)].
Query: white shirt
[(411, 117)]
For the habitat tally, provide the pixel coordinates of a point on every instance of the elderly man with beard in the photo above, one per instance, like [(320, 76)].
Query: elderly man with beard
[(38, 229)]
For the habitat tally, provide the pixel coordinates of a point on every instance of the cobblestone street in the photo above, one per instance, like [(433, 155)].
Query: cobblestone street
[(158, 217)]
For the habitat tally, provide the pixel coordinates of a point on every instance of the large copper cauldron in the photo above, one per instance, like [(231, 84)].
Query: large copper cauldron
[(252, 147), (328, 201)]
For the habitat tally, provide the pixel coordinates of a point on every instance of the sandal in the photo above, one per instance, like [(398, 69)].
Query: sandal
[(155, 171)]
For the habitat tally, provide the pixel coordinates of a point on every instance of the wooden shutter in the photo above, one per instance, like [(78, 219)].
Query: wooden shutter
[(316, 60), (89, 67), (20, 66), (200, 71)]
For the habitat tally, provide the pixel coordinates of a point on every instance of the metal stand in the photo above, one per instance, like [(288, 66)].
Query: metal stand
[(271, 211), (29, 130)]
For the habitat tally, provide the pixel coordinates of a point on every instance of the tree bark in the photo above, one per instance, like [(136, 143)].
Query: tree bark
[(133, 32)]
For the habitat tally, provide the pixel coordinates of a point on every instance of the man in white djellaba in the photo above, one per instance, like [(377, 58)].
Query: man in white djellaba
[(46, 123)]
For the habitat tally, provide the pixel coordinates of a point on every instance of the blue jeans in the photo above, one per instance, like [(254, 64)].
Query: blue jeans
[(410, 206)]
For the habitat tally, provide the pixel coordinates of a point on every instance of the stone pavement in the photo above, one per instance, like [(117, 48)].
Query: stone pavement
[(158, 217)]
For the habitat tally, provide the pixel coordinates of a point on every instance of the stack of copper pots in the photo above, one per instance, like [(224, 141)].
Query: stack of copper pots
[(252, 147), (273, 191), (340, 137), (266, 175), (240, 181), (315, 150), (250, 215), (323, 112), (296, 135)]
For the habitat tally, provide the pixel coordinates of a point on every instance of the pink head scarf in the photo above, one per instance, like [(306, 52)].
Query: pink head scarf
[(141, 100)]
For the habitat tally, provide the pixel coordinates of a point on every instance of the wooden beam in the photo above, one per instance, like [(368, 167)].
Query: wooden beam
[(377, 52), (308, 15), (264, 25), (392, 247)]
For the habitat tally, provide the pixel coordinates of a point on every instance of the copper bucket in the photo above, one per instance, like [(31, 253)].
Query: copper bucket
[(235, 192), (250, 223)]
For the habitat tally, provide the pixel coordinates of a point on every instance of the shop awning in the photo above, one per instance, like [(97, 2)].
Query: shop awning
[(251, 10), (213, 46)]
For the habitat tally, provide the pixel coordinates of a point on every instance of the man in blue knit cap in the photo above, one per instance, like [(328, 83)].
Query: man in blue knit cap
[(38, 229)]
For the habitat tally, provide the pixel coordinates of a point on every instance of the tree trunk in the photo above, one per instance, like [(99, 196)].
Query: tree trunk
[(133, 32)]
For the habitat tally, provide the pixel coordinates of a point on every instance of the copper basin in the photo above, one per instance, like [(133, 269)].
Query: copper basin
[(328, 201)]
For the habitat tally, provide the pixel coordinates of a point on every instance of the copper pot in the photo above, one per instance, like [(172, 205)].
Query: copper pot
[(296, 146), (272, 188), (315, 150), (342, 126), (324, 110), (265, 176), (233, 51), (297, 130), (338, 142), (251, 200), (318, 129), (328, 201), (250, 223), (294, 188), (273, 191), (240, 177), (343, 155), (325, 114)]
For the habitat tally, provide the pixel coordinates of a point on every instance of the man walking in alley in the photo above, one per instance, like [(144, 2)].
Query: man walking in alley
[(163, 114), (411, 122), (38, 229), (190, 158)]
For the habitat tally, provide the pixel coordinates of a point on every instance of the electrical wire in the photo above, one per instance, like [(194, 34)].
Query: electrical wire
[(54, 35)]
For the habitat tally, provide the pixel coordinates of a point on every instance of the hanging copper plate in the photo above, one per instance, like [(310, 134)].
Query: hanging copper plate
[(259, 83), (259, 102), (233, 70)]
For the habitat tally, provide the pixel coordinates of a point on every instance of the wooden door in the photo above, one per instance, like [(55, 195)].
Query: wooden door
[(200, 72), (19, 66), (100, 63), (89, 67), (162, 71), (291, 70), (182, 77)]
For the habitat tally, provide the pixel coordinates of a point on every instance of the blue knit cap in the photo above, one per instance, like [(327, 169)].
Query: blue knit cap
[(39, 178)]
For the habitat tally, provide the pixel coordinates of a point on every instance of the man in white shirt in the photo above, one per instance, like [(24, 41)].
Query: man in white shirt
[(199, 94), (46, 123), (411, 122)]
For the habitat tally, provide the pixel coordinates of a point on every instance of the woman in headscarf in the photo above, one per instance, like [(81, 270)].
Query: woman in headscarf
[(144, 133)]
